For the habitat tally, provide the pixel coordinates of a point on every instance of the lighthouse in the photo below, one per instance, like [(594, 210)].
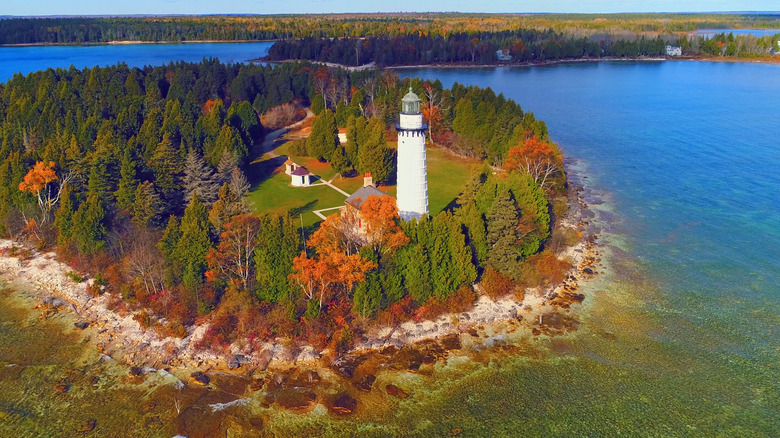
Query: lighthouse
[(412, 180)]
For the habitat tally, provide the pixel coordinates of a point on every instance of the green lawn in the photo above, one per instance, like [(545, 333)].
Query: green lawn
[(276, 195), (447, 175)]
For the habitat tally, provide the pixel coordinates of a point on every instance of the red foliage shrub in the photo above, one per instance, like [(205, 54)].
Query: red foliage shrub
[(462, 300), (551, 268), (495, 284)]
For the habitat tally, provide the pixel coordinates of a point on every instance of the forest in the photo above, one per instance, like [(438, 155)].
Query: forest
[(138, 178), (274, 27), (461, 47)]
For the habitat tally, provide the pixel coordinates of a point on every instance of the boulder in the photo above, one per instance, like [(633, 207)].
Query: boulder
[(365, 383), (344, 404), (200, 378), (396, 391)]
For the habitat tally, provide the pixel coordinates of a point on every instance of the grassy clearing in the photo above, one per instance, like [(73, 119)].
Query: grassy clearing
[(447, 175), (276, 195)]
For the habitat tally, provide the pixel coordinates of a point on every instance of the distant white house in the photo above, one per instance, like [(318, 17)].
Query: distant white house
[(673, 51), (503, 55)]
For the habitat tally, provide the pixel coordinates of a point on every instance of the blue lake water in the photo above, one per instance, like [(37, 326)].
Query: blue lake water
[(681, 338), (755, 32), (29, 59)]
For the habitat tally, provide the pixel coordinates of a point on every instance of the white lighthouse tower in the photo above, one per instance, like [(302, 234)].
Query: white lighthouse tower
[(412, 169)]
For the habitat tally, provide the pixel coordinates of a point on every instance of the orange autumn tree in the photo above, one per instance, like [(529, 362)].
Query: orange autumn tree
[(538, 158), (317, 276), (337, 233), (38, 181), (382, 232)]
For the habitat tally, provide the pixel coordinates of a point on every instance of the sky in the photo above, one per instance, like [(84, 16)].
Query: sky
[(103, 7)]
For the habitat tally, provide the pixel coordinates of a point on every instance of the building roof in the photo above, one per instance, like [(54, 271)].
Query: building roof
[(411, 97), (288, 162), (300, 171), (359, 197)]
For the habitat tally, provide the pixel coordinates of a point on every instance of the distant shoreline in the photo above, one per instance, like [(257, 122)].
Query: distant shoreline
[(775, 60), (132, 42)]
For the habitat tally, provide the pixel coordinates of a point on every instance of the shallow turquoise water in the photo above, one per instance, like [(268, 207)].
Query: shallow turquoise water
[(688, 155), (681, 162)]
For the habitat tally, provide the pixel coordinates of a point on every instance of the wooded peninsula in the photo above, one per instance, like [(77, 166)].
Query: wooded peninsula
[(140, 178)]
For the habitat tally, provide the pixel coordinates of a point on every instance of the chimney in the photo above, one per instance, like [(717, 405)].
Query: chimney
[(367, 180)]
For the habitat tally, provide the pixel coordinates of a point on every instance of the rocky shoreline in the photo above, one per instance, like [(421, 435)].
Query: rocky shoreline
[(120, 336)]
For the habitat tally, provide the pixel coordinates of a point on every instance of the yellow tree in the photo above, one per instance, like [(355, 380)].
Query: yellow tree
[(38, 181)]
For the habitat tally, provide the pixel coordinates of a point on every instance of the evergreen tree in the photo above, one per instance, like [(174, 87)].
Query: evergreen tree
[(125, 193), (198, 179), (535, 216), (167, 246), (393, 284), (274, 258), (368, 295), (194, 244), (418, 274), (474, 223), (146, 207), (227, 162), (442, 278), (351, 148), (324, 136), (373, 153), (167, 165), (229, 139), (502, 234), (88, 230), (63, 219), (99, 181), (239, 185), (340, 162), (463, 269)]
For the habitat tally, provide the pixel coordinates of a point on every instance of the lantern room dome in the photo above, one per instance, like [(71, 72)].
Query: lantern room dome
[(411, 103)]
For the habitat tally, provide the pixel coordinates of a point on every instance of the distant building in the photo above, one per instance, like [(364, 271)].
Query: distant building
[(300, 177), (290, 166), (503, 55), (673, 51), (355, 202)]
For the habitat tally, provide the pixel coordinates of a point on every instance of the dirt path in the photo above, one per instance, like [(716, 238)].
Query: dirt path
[(270, 139)]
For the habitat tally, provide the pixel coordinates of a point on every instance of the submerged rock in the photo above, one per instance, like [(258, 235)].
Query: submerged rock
[(396, 391), (345, 365), (451, 341), (295, 398), (366, 383), (81, 325), (200, 378), (256, 385), (344, 404), (87, 426)]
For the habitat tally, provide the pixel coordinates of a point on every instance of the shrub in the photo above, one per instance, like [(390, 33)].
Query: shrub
[(495, 284), (143, 318), (74, 276)]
